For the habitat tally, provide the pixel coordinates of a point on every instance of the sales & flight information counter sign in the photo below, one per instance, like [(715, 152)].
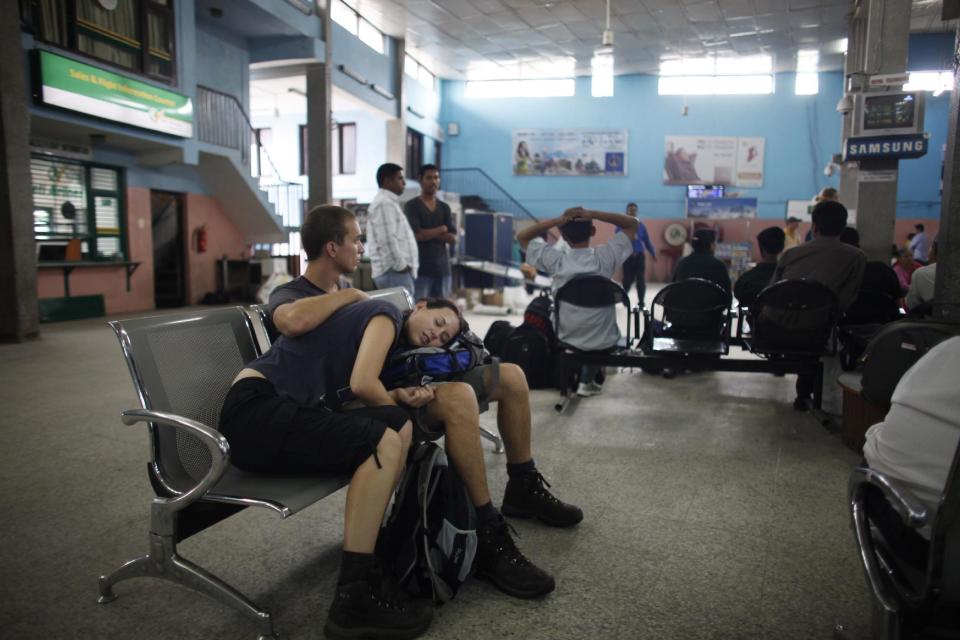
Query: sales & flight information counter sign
[(70, 84)]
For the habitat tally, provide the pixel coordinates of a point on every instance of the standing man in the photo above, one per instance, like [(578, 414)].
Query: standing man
[(634, 269), (919, 245), (432, 225), (391, 244)]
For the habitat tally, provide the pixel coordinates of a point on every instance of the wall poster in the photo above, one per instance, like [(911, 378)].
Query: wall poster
[(570, 152), (713, 160)]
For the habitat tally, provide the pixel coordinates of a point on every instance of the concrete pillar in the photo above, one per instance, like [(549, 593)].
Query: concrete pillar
[(319, 106), (946, 304), (19, 314), (396, 127), (881, 34)]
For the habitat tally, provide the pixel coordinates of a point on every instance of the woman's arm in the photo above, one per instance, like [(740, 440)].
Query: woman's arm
[(365, 377)]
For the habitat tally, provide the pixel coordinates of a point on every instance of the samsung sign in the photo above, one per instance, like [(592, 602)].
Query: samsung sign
[(904, 146)]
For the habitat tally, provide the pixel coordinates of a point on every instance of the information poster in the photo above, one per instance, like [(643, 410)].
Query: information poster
[(713, 160), (570, 152)]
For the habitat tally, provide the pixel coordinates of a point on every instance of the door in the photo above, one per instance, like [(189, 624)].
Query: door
[(414, 154), (169, 283)]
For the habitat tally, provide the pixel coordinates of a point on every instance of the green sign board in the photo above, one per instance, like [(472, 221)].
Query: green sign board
[(81, 87)]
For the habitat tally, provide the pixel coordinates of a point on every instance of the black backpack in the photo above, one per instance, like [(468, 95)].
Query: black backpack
[(429, 539), (531, 350), (496, 337)]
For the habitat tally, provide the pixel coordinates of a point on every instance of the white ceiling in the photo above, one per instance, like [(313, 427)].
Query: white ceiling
[(450, 35)]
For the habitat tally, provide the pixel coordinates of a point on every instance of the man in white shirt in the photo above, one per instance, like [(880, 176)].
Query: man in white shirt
[(391, 244), (917, 440), (922, 280), (919, 244), (583, 328)]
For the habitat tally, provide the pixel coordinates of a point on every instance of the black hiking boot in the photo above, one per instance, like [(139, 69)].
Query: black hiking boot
[(527, 496), (499, 561), (376, 607)]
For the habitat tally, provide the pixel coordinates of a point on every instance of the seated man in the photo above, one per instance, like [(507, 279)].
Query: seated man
[(752, 282), (283, 416), (923, 279), (592, 329), (918, 438), (331, 239), (828, 261), (878, 278), (702, 263)]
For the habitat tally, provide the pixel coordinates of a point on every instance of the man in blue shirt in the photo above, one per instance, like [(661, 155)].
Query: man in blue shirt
[(635, 266)]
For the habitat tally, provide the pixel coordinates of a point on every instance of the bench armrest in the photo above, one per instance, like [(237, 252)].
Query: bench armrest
[(913, 512), (214, 441)]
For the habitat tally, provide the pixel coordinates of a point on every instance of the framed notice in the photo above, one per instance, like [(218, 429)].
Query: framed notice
[(713, 160), (570, 152)]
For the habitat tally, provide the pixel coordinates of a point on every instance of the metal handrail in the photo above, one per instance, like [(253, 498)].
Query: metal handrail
[(495, 185)]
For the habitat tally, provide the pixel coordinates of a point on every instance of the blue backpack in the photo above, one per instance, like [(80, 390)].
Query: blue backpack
[(421, 365)]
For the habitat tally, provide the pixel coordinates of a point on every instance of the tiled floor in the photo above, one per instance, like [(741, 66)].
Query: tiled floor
[(712, 511)]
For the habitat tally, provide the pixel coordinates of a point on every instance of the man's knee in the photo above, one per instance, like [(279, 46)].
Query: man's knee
[(389, 449), (512, 381), (455, 402)]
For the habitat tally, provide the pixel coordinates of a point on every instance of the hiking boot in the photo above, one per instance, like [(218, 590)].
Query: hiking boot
[(801, 403), (499, 561), (528, 497), (376, 608)]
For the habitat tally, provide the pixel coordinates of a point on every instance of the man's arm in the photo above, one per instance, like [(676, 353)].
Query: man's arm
[(300, 316), (412, 211), (524, 236), (365, 376), (629, 224), (645, 239)]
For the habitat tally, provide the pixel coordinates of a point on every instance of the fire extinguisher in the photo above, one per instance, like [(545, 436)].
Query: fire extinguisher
[(201, 238)]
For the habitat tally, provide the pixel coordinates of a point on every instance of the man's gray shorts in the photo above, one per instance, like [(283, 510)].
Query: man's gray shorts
[(423, 429)]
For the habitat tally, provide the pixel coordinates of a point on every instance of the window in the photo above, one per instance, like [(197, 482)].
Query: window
[(77, 200), (935, 81), (370, 36), (560, 88), (420, 73), (137, 35), (716, 76), (349, 19), (263, 138), (414, 153), (347, 148), (601, 81), (808, 80)]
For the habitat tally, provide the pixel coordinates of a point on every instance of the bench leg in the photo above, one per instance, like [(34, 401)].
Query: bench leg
[(164, 563), (494, 438)]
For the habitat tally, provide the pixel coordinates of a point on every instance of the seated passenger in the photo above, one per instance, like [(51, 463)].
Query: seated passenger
[(904, 268), (828, 261), (331, 240), (917, 440), (878, 278), (752, 282), (702, 263), (922, 281), (585, 329), (284, 415)]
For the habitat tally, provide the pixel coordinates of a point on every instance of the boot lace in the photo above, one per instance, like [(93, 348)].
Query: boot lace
[(538, 486), (503, 544)]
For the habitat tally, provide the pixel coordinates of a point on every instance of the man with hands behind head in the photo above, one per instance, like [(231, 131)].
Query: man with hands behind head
[(583, 328)]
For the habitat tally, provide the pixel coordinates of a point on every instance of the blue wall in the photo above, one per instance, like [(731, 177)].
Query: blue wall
[(801, 132)]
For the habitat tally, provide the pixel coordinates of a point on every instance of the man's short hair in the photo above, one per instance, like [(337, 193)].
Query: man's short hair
[(793, 219), (702, 239), (425, 168), (324, 223), (850, 236), (387, 171), (830, 217), (632, 204), (771, 240), (828, 193), (918, 226), (576, 230)]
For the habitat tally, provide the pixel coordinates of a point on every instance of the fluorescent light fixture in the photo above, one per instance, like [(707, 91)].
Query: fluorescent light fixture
[(807, 83), (715, 85), (601, 82), (380, 91), (350, 73), (556, 88)]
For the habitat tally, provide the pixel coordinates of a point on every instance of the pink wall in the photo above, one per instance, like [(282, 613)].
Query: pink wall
[(111, 281), (741, 230), (223, 239)]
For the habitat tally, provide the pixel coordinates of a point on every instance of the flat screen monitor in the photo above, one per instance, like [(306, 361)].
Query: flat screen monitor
[(885, 114), (705, 190)]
